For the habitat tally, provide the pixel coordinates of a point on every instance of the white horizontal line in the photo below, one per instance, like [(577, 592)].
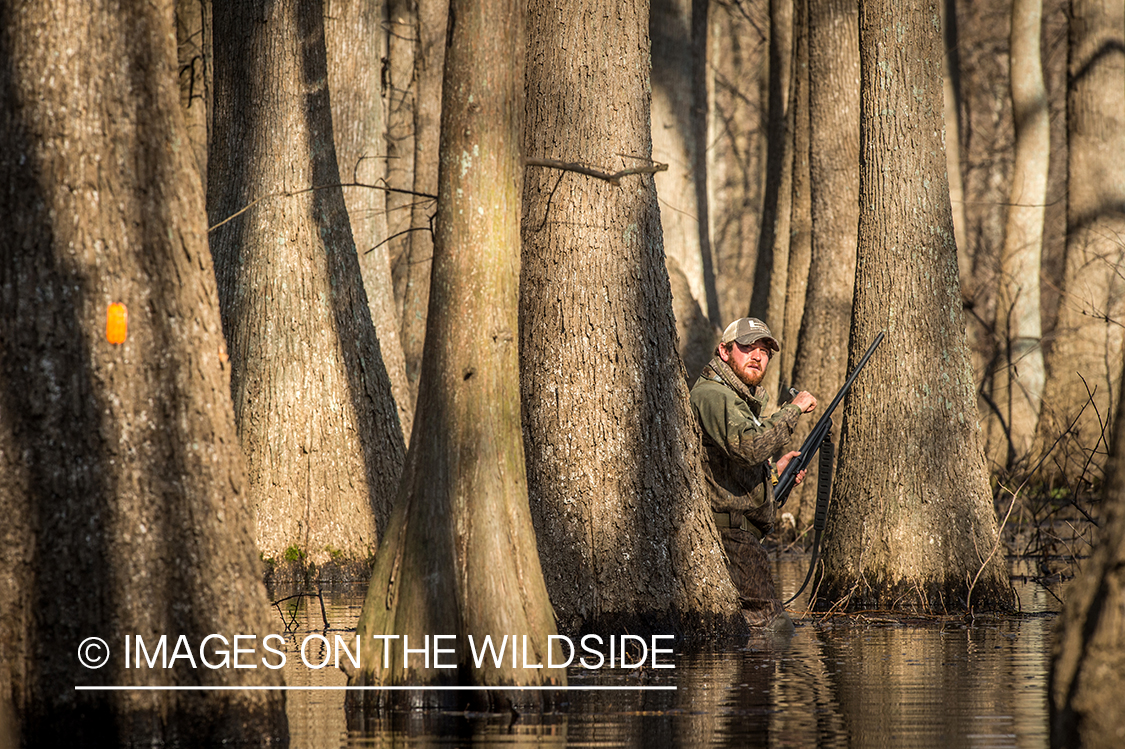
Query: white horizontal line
[(375, 689)]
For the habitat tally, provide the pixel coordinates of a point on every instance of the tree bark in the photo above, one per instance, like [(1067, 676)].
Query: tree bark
[(735, 157), (1017, 385), (459, 556), (625, 533), (124, 495), (821, 364), (771, 271), (675, 142), (401, 95), (356, 43), (913, 527), (1087, 347), (800, 222), (193, 51), (1087, 673), (316, 417), (432, 16), (987, 147)]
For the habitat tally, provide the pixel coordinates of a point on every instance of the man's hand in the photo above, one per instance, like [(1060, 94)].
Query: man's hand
[(805, 401), (784, 459)]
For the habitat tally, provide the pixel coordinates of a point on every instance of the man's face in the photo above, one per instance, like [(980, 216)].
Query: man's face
[(748, 362)]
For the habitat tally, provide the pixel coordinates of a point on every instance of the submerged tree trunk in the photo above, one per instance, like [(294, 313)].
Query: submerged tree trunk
[(1087, 347), (625, 533), (124, 496), (912, 526), (459, 556), (1087, 675), (356, 44), (316, 417), (1017, 385)]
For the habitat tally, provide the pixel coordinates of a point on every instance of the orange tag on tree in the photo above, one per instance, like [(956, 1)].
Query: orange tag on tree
[(116, 323)]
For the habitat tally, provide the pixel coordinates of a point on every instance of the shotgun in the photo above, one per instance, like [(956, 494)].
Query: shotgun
[(788, 478)]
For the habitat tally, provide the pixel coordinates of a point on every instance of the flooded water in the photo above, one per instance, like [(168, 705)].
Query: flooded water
[(857, 681)]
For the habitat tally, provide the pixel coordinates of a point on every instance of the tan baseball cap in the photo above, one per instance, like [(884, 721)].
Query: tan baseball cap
[(747, 330)]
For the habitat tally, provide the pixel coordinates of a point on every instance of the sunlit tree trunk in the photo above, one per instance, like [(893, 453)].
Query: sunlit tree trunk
[(912, 525), (429, 53), (951, 70), (771, 271), (459, 556), (1087, 347), (1017, 385), (800, 222), (356, 44), (316, 417), (674, 142), (625, 533), (822, 357), (987, 143), (1087, 676), (735, 153), (400, 95), (124, 496)]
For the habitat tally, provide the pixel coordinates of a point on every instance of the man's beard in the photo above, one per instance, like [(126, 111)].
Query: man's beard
[(751, 377)]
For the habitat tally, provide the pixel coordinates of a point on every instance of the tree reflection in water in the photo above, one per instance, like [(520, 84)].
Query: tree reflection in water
[(848, 681)]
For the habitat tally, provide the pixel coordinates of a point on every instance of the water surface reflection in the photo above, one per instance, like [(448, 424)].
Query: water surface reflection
[(838, 682)]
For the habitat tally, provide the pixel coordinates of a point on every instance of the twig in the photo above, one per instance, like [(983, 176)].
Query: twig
[(293, 193), (1015, 496)]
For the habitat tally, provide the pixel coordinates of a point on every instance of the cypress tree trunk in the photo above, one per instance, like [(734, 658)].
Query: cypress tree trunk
[(356, 43), (459, 554), (821, 362), (913, 527), (625, 533), (317, 421), (1089, 333), (1017, 385), (123, 493)]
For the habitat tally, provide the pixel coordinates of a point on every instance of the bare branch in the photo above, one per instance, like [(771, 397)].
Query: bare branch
[(613, 179)]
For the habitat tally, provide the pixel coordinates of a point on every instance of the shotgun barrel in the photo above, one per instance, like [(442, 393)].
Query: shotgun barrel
[(788, 478)]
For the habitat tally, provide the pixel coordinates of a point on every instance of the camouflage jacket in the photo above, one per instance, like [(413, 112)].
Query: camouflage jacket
[(738, 443)]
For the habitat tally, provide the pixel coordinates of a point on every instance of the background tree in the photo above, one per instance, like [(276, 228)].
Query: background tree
[(800, 221), (459, 554), (767, 301), (625, 535), (678, 140), (193, 51), (316, 418), (822, 354), (1017, 385), (913, 528), (429, 34), (1088, 655), (1087, 346), (356, 44), (124, 495), (737, 83)]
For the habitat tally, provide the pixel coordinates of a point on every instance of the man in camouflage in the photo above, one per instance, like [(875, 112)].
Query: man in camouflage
[(738, 446)]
